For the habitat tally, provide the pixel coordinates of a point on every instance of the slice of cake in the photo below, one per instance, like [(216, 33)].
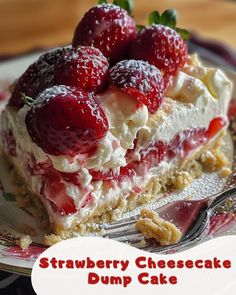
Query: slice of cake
[(109, 123)]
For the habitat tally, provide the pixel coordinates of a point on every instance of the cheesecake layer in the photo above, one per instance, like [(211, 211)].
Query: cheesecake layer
[(138, 147)]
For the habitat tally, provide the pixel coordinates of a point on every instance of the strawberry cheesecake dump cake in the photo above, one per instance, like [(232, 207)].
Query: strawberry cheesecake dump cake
[(110, 122)]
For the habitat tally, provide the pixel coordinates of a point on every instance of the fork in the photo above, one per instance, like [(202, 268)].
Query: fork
[(190, 216), (195, 216)]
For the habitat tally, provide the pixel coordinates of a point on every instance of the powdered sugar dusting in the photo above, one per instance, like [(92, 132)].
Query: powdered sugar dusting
[(160, 46), (66, 121), (107, 27), (139, 79), (107, 7), (83, 67), (50, 93)]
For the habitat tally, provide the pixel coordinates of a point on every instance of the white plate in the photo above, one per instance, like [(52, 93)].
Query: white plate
[(12, 258)]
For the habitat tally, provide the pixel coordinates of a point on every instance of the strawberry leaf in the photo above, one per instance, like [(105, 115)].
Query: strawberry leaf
[(168, 18), (183, 33), (154, 18), (139, 27), (102, 1), (27, 99), (125, 4), (9, 197)]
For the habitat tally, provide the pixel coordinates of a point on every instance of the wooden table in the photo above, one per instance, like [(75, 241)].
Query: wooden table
[(27, 24)]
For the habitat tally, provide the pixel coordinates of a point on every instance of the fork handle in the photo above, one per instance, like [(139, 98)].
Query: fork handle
[(221, 197)]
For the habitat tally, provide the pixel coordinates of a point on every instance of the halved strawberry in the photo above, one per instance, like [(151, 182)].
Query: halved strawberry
[(142, 81), (126, 171), (65, 121)]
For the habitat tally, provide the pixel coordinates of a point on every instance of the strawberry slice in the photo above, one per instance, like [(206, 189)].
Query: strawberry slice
[(87, 199), (215, 126), (101, 175), (55, 192)]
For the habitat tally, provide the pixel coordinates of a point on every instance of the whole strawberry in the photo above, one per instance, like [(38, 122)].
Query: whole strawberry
[(83, 67), (140, 80), (160, 44), (66, 121), (107, 27), (36, 78)]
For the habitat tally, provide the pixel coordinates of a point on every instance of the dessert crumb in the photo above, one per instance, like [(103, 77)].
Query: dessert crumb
[(214, 161), (225, 172), (52, 239), (152, 226), (182, 179), (24, 241), (142, 243)]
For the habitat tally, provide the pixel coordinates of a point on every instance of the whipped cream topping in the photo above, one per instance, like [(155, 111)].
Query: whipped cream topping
[(195, 96), (110, 154), (124, 118), (192, 102)]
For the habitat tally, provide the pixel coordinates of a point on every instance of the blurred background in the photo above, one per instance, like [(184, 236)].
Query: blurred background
[(32, 24)]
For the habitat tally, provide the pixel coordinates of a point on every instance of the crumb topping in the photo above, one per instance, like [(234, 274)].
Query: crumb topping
[(152, 226)]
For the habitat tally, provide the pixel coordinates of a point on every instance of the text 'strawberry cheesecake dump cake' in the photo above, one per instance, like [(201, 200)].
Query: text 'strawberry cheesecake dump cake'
[(109, 122)]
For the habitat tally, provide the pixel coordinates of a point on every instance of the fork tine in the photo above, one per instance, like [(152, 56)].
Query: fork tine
[(132, 239), (200, 211), (120, 224), (123, 234), (121, 230), (125, 231)]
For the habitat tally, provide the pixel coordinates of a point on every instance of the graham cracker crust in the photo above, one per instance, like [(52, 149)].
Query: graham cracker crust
[(207, 158)]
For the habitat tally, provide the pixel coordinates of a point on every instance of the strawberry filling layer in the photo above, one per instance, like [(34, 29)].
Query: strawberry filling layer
[(155, 153), (180, 147), (54, 183)]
